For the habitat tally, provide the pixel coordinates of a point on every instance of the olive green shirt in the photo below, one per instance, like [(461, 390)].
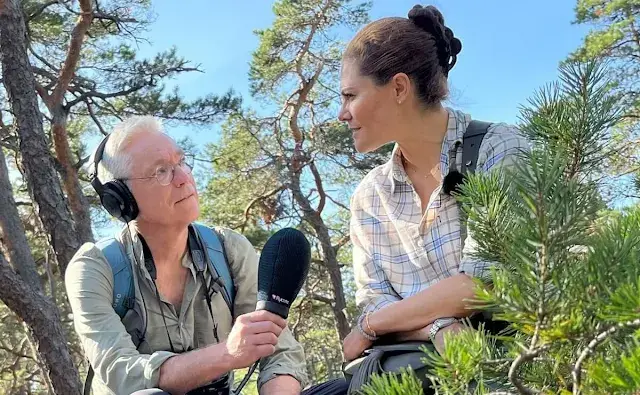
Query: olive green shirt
[(119, 367)]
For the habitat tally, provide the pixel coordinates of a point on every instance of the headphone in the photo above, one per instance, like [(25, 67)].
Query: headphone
[(115, 196)]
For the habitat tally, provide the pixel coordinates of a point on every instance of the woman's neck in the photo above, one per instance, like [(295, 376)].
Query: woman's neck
[(420, 140), (167, 244)]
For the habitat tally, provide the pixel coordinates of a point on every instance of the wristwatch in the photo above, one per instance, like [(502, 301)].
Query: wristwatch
[(439, 324)]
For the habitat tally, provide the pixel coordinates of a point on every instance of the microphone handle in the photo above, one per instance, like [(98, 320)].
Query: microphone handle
[(273, 307)]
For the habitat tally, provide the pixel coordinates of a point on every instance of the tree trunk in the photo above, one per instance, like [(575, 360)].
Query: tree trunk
[(43, 319), (328, 254), (14, 236), (77, 201), (60, 113), (42, 180)]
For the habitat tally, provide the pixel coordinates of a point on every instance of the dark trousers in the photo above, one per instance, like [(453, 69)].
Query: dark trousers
[(331, 387)]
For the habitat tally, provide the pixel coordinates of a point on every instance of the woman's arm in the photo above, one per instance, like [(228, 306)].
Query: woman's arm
[(447, 298)]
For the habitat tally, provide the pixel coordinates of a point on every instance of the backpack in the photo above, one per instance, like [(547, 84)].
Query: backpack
[(124, 297), (393, 358)]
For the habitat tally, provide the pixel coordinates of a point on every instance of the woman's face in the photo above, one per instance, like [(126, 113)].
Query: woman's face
[(370, 110)]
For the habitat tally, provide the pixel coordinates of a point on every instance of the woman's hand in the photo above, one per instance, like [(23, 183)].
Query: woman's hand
[(417, 335), (355, 344)]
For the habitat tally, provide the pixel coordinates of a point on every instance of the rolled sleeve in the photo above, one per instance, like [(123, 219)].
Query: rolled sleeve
[(501, 149), (289, 358), (106, 343)]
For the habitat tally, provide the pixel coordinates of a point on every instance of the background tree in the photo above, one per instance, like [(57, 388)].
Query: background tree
[(68, 69), (615, 38), (290, 163)]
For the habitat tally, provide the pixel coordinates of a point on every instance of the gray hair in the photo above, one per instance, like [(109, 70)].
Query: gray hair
[(115, 162)]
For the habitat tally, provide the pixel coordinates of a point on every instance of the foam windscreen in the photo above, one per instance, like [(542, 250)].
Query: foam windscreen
[(284, 264)]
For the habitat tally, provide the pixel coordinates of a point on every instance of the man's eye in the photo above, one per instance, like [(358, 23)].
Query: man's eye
[(162, 170)]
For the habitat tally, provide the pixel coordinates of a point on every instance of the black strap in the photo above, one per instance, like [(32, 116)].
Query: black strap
[(87, 381), (471, 142)]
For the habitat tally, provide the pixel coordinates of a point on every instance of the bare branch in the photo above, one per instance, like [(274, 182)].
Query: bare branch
[(515, 366), (320, 188), (337, 203), (590, 348), (41, 9), (73, 53), (320, 298), (342, 242), (95, 118), (256, 200)]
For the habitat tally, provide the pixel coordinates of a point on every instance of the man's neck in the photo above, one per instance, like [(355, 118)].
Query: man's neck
[(167, 244)]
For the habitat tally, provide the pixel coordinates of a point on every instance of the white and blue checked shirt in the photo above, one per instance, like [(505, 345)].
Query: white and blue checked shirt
[(397, 251)]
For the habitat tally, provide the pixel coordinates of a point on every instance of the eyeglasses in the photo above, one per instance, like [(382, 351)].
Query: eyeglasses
[(164, 173)]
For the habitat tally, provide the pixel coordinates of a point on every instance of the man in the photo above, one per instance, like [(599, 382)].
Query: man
[(185, 345)]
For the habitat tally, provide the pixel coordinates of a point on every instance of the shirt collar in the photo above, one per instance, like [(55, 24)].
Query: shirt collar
[(456, 126), (135, 242)]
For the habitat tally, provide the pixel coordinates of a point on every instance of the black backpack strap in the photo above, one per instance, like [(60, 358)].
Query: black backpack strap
[(471, 141), (87, 381)]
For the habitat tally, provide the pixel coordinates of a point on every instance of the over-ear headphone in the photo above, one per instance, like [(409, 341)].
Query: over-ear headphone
[(115, 196)]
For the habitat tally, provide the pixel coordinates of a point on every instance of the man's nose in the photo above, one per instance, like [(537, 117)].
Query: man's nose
[(180, 175)]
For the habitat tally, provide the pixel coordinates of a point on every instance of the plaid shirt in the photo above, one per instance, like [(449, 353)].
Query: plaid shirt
[(397, 251)]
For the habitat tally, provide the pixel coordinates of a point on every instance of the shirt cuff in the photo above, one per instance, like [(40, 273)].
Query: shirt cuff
[(272, 372), (378, 303), (152, 369)]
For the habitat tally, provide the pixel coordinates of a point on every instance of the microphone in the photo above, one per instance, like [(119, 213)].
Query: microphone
[(284, 265)]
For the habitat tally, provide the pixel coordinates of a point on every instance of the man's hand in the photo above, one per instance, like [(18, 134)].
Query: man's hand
[(355, 344), (253, 336)]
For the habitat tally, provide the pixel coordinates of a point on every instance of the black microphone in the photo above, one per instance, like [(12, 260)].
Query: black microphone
[(284, 264)]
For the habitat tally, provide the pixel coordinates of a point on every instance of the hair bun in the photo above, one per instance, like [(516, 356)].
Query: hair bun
[(430, 19)]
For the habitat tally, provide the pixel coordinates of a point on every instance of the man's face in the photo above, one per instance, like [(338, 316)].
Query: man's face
[(175, 204)]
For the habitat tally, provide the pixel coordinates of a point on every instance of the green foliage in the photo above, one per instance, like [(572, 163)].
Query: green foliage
[(406, 383), (566, 273)]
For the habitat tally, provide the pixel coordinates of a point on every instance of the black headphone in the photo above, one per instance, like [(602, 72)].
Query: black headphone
[(115, 196)]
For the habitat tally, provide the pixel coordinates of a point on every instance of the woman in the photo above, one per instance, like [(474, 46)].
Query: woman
[(413, 276)]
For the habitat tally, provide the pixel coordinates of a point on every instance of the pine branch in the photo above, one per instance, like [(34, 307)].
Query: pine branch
[(515, 366), (590, 348)]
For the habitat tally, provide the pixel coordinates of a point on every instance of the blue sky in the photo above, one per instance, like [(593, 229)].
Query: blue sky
[(510, 48)]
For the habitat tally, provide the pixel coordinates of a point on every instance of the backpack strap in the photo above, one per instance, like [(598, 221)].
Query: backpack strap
[(123, 287), (124, 295), (471, 142), (218, 263)]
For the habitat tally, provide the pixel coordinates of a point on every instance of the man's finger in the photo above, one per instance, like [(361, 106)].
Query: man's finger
[(264, 315)]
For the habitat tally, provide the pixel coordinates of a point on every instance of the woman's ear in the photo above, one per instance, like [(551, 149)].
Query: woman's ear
[(401, 84)]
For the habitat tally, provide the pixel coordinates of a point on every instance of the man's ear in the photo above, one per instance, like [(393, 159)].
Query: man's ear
[(402, 87)]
